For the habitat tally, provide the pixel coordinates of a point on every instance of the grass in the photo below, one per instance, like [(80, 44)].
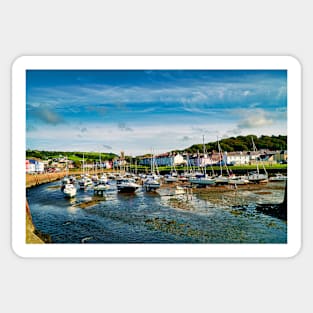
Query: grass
[(247, 167)]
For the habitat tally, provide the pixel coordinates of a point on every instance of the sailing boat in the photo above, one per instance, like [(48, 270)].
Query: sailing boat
[(205, 180), (85, 180), (256, 177), (172, 177), (68, 187), (221, 180), (152, 182)]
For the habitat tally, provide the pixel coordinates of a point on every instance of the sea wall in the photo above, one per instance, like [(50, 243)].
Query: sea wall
[(31, 236), (38, 179)]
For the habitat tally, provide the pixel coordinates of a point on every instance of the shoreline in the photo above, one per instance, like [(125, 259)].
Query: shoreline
[(31, 236)]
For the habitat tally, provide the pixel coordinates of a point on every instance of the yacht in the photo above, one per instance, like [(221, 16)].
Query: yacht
[(126, 185), (69, 190)]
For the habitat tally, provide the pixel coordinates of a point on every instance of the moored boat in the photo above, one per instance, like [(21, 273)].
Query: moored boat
[(151, 183), (126, 185), (85, 182), (204, 181), (278, 177), (238, 180), (69, 190), (257, 177)]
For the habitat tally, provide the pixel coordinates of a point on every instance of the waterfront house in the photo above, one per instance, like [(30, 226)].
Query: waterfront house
[(237, 158)]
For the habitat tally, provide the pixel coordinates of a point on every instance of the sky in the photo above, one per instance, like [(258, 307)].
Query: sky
[(144, 111)]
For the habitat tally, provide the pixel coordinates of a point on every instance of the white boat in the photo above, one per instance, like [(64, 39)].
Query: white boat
[(68, 184), (64, 182), (278, 177), (204, 181), (238, 180), (85, 182), (221, 180), (170, 178), (69, 190), (101, 187), (257, 177), (103, 179), (126, 185), (151, 183)]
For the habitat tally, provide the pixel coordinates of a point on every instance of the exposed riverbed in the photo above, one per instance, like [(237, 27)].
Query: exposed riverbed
[(206, 215)]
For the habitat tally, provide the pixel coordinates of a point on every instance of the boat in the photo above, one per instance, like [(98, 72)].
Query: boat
[(221, 179), (68, 184), (126, 185), (64, 182), (203, 179), (69, 190), (103, 179), (101, 187), (278, 177), (85, 182), (238, 180), (151, 184), (255, 176), (151, 181), (170, 178)]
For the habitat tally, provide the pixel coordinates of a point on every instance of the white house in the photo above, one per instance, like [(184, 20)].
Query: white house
[(237, 158)]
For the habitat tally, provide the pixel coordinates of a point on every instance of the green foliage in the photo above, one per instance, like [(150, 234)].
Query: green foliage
[(77, 157), (242, 143)]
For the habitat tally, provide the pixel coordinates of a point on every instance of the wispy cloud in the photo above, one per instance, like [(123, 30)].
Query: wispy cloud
[(186, 92), (256, 118), (47, 115), (167, 110)]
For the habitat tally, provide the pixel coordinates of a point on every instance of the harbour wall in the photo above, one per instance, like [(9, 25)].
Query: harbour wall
[(31, 236), (38, 179)]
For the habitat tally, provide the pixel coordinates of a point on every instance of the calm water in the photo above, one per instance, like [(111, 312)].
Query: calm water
[(209, 217)]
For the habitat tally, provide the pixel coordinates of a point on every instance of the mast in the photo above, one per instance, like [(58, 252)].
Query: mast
[(83, 165), (219, 152), (257, 163), (221, 157), (204, 156)]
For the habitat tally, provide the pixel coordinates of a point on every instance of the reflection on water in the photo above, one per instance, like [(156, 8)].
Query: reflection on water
[(212, 215)]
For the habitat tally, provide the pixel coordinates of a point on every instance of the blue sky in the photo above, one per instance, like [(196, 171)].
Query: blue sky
[(139, 110)]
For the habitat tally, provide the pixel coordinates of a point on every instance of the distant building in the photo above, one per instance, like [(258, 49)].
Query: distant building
[(165, 159), (237, 158), (34, 166)]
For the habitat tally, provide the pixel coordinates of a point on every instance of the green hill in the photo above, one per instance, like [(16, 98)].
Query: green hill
[(74, 156), (242, 143)]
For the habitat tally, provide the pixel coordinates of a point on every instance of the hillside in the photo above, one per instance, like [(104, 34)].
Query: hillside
[(74, 156), (242, 143)]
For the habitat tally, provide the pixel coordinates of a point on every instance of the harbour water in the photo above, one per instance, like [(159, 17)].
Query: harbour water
[(210, 215)]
